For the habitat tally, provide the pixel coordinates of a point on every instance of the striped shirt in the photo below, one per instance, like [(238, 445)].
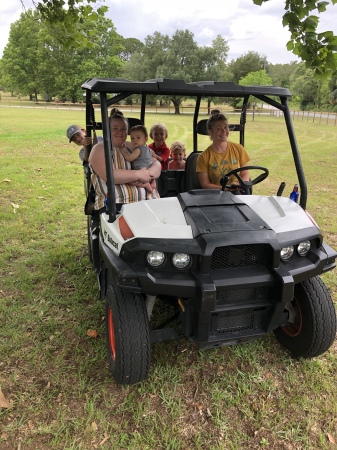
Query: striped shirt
[(124, 193)]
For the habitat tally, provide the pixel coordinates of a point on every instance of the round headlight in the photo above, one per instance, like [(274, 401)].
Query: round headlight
[(155, 259), (303, 248), (181, 260), (287, 252)]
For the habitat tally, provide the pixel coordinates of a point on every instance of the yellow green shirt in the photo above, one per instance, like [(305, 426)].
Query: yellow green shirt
[(217, 165)]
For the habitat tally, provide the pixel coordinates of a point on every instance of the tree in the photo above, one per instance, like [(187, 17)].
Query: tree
[(307, 87), (180, 61), (280, 73), (259, 78), (131, 46), (20, 59), (66, 17), (318, 50), (247, 63), (333, 90), (35, 61), (213, 61)]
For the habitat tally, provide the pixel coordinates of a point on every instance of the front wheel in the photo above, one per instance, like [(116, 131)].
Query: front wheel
[(311, 327), (127, 336)]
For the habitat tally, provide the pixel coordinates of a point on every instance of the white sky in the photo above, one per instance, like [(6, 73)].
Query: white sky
[(244, 25)]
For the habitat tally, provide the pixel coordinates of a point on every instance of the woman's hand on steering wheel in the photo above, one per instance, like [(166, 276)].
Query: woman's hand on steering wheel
[(245, 186)]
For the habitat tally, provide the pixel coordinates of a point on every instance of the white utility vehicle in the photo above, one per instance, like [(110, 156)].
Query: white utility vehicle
[(231, 267)]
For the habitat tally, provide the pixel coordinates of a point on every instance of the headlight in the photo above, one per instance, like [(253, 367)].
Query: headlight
[(155, 259), (181, 260), (287, 252), (303, 248)]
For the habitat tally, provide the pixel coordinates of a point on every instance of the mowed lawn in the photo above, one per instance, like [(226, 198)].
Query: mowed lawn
[(56, 391)]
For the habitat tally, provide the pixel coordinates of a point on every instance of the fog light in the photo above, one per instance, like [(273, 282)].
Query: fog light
[(181, 260), (303, 248), (287, 252), (155, 259)]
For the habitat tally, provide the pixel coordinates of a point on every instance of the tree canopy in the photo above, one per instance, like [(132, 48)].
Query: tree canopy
[(36, 61), (317, 50)]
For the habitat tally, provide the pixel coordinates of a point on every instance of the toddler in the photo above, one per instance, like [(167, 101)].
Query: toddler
[(159, 133), (178, 153), (142, 155)]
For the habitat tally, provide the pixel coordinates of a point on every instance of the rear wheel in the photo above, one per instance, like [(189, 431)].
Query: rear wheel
[(311, 327), (127, 336)]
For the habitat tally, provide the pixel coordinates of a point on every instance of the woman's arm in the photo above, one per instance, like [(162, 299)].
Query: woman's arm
[(205, 183), (121, 176), (155, 169), (97, 161)]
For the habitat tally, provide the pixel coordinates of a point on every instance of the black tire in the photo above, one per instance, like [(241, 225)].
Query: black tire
[(312, 329), (127, 336), (89, 238)]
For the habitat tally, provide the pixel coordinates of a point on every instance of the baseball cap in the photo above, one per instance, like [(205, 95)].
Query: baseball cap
[(72, 130)]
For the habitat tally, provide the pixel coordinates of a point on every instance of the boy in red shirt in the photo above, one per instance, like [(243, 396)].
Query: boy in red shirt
[(159, 134)]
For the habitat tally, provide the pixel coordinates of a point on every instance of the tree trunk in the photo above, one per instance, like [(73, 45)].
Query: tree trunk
[(209, 106), (176, 104)]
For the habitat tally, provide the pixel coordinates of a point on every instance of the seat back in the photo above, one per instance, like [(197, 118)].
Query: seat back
[(171, 183), (202, 127), (191, 176), (133, 121)]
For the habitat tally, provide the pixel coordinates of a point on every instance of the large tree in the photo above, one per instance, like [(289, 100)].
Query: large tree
[(280, 73), (178, 57), (247, 63), (35, 61), (20, 60), (312, 92)]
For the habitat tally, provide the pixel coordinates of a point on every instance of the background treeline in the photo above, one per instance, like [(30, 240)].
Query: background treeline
[(38, 61)]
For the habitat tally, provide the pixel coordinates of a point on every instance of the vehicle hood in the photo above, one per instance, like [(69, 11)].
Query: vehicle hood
[(204, 212)]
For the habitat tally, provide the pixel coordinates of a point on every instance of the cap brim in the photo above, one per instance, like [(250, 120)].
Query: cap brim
[(71, 138)]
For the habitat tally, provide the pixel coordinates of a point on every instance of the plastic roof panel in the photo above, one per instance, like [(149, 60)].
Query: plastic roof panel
[(165, 86)]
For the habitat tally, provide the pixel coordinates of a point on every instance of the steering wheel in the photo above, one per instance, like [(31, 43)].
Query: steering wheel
[(246, 186)]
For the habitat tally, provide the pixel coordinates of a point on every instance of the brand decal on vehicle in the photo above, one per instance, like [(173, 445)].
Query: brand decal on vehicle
[(110, 240)]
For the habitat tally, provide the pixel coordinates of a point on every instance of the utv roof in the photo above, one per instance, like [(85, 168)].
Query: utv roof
[(165, 86)]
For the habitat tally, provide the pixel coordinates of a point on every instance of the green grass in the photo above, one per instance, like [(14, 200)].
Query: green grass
[(250, 396)]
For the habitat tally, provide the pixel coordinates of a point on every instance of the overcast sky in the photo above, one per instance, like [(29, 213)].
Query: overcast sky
[(244, 25)]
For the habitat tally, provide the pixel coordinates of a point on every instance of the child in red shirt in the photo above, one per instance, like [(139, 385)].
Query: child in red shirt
[(159, 134)]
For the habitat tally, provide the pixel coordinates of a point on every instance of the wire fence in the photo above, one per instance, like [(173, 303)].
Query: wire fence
[(318, 117)]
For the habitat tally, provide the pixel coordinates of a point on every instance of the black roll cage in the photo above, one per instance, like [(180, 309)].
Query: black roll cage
[(120, 89)]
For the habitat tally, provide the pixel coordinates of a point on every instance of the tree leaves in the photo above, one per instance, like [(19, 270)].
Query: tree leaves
[(315, 49)]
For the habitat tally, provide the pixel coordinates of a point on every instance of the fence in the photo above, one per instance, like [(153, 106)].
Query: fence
[(321, 117)]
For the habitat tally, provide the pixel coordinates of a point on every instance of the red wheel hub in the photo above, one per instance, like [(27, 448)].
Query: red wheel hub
[(111, 332)]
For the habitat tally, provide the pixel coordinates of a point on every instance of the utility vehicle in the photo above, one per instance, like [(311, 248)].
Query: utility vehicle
[(231, 267)]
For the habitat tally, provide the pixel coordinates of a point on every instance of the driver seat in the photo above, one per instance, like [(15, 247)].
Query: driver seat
[(191, 176)]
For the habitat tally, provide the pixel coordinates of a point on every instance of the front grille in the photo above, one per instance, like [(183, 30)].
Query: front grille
[(234, 256), (226, 324), (238, 296)]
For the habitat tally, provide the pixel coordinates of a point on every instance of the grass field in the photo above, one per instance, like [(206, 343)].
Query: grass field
[(56, 391)]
